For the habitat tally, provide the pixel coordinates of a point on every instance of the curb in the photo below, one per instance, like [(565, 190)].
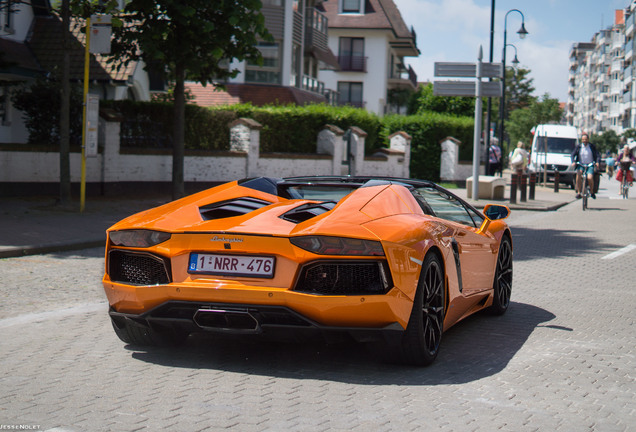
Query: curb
[(17, 251)]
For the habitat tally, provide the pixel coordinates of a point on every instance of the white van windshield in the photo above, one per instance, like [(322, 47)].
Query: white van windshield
[(556, 145)]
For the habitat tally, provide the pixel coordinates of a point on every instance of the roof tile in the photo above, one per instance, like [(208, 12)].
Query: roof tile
[(257, 94)]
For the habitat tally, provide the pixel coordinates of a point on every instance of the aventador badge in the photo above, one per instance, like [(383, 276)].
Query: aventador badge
[(227, 239)]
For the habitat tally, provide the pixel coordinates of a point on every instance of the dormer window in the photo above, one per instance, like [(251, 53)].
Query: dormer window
[(352, 6)]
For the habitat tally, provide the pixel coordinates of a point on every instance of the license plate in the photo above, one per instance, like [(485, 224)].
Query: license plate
[(232, 265)]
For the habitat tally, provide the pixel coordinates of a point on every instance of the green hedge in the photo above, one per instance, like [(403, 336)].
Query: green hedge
[(427, 131), (294, 129)]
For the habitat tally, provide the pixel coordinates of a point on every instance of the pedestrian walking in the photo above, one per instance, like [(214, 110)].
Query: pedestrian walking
[(494, 158), (519, 159), (609, 164)]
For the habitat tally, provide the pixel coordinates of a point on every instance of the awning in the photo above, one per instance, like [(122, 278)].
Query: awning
[(327, 58)]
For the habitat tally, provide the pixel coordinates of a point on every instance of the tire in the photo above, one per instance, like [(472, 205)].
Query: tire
[(420, 341), (502, 285), (135, 334)]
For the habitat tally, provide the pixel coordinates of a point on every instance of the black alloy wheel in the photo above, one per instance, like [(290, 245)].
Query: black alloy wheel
[(502, 286), (423, 335)]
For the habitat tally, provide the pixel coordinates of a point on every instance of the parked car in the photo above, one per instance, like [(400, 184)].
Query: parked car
[(393, 261)]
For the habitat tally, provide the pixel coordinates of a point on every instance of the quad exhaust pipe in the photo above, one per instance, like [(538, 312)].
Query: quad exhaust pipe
[(227, 320)]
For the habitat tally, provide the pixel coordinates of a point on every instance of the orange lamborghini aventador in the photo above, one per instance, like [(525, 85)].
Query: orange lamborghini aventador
[(390, 260)]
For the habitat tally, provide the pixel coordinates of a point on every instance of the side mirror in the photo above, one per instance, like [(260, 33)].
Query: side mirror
[(493, 212), (496, 211)]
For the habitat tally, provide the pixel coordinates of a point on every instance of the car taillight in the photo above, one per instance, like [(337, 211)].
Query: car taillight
[(325, 245), (138, 238)]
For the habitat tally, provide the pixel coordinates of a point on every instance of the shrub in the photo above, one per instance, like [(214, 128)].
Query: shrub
[(427, 130), (286, 129), (40, 102)]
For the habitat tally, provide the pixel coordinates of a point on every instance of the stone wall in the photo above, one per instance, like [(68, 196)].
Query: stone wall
[(114, 165)]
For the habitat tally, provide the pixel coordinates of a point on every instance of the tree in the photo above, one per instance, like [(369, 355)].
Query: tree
[(521, 122), (607, 141), (629, 133), (519, 89), (40, 102), (193, 40), (423, 100), (65, 108)]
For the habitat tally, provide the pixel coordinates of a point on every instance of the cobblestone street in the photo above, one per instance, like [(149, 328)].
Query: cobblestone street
[(562, 358)]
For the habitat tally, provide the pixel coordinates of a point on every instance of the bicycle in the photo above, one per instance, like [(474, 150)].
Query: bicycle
[(624, 181), (585, 189)]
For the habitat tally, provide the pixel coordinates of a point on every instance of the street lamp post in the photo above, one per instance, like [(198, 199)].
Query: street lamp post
[(490, 58), (522, 34)]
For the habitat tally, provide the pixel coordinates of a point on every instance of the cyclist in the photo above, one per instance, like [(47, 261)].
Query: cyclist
[(585, 153), (623, 162)]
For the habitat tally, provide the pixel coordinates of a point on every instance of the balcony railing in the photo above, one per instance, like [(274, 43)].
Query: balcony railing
[(627, 97), (313, 85), (316, 24), (412, 76), (353, 63), (356, 104)]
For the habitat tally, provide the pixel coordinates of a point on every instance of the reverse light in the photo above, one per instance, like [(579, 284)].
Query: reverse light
[(138, 238), (325, 245)]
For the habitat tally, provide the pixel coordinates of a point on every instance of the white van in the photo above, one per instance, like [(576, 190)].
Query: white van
[(559, 141)]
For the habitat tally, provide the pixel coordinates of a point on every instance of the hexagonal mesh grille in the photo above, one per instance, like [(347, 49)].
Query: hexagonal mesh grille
[(137, 268), (332, 278)]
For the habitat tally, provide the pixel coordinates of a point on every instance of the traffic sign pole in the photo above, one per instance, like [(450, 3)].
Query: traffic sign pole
[(477, 134)]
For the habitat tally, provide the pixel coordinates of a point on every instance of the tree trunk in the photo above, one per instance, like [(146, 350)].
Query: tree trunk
[(178, 190), (65, 165)]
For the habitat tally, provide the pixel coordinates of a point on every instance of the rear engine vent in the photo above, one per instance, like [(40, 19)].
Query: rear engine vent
[(308, 211), (344, 278), (138, 268), (230, 208)]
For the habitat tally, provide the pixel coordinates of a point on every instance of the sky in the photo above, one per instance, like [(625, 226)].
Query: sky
[(454, 30)]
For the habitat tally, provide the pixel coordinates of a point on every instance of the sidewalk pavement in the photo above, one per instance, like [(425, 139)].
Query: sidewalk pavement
[(38, 225)]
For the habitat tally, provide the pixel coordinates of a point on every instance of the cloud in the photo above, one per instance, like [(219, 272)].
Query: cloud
[(453, 31), (549, 66)]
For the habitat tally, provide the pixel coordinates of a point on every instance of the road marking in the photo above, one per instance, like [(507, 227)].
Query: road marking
[(620, 252), (54, 314)]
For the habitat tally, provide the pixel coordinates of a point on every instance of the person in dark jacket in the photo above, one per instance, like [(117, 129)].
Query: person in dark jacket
[(585, 153)]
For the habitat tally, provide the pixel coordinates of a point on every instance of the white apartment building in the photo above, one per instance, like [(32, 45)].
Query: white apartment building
[(342, 52), (602, 95), (371, 41)]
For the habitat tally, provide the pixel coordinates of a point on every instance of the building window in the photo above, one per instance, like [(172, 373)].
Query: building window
[(351, 54), (269, 72), (350, 93), (352, 6)]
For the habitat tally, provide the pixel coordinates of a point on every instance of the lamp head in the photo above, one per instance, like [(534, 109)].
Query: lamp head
[(522, 31)]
